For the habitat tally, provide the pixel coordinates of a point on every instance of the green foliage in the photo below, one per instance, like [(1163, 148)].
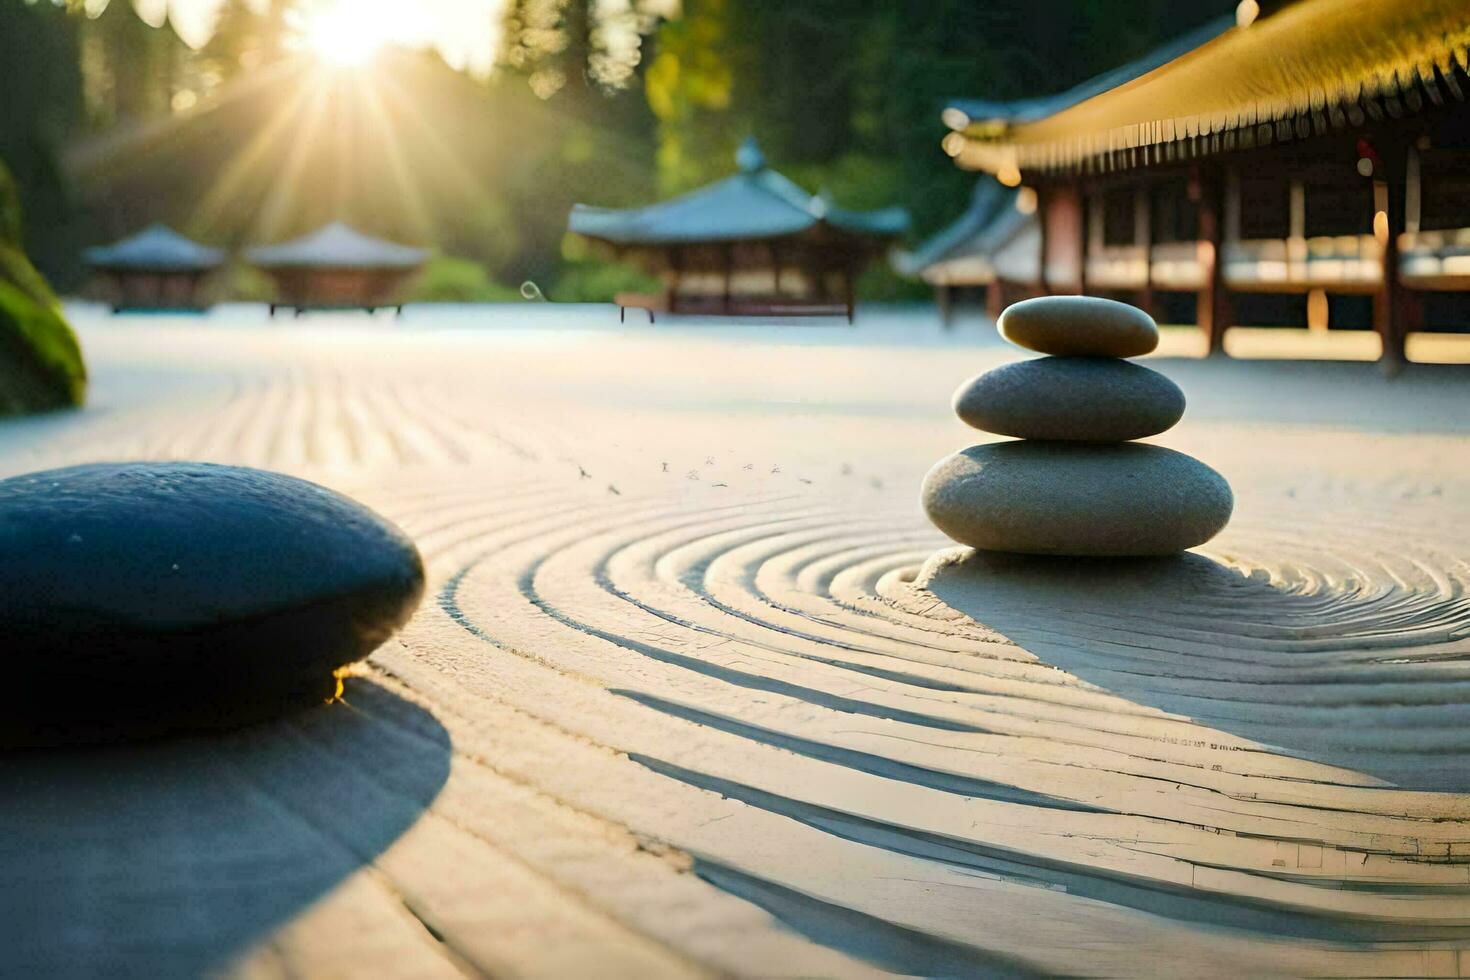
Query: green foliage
[(840, 92), (450, 279), (593, 281), (880, 283), (11, 224), (40, 107), (40, 362), (243, 283), (689, 87)]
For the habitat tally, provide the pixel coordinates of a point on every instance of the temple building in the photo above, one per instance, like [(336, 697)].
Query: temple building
[(1317, 149), (156, 269), (752, 244), (337, 267), (993, 244)]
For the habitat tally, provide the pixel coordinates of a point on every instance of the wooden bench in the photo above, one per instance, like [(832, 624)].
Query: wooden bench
[(647, 302)]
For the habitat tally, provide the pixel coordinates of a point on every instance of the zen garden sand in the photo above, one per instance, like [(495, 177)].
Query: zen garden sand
[(696, 688)]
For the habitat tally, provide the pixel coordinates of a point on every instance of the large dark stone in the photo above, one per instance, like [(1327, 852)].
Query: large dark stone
[(144, 597)]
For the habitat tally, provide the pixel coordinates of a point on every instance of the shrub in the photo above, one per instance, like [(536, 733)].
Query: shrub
[(449, 279), (592, 281), (243, 283)]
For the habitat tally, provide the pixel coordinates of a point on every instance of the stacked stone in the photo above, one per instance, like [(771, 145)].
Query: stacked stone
[(1075, 483)]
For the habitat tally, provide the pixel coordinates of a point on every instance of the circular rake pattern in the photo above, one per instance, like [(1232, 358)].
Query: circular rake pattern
[(1269, 744)]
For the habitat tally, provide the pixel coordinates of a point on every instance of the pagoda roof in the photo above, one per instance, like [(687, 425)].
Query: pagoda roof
[(337, 246), (985, 224), (156, 247), (1304, 67), (989, 114), (756, 203)]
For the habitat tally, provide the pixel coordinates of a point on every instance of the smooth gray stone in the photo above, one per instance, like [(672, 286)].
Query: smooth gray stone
[(143, 597), (1083, 399), (1060, 498), (1079, 326)]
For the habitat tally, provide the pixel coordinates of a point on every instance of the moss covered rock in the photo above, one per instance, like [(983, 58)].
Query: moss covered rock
[(40, 362)]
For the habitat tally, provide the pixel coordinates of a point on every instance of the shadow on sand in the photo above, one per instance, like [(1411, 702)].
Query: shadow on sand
[(171, 857), (1362, 671)]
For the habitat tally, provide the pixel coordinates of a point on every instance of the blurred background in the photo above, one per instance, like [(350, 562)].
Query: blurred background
[(470, 126)]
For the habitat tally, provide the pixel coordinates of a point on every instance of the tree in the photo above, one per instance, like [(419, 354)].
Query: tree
[(40, 108), (244, 38)]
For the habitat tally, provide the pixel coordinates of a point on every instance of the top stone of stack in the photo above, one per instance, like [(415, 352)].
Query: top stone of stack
[(1079, 326)]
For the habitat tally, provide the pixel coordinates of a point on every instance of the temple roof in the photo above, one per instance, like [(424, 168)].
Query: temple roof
[(336, 246), (156, 247), (985, 114), (1307, 67), (756, 203), (986, 222)]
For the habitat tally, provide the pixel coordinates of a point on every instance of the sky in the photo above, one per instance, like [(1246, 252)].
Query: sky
[(466, 32)]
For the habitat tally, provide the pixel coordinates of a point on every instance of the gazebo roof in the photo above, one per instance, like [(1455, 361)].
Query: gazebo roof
[(986, 223), (1307, 67), (337, 246), (156, 247), (756, 203)]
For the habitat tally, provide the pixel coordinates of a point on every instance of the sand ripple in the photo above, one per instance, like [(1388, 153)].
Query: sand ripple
[(1253, 757)]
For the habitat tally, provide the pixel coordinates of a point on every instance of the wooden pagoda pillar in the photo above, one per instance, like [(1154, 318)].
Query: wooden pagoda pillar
[(1388, 225), (1043, 201), (995, 299), (1143, 236), (1212, 307), (944, 301)]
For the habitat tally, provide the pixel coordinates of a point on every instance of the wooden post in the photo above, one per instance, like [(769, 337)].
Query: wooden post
[(727, 253), (1388, 225), (1143, 237), (994, 299), (1041, 203), (944, 301), (671, 291), (1083, 239), (1213, 304)]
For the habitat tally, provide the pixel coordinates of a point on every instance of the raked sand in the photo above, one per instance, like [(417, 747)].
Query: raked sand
[(697, 690)]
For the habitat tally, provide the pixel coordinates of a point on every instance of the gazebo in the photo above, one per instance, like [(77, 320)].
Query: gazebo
[(752, 244), (336, 267), (1313, 148), (156, 269)]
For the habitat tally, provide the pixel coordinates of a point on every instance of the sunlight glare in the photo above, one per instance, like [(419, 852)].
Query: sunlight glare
[(347, 34)]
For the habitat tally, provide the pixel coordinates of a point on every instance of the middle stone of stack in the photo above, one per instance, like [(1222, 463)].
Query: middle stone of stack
[(1075, 484)]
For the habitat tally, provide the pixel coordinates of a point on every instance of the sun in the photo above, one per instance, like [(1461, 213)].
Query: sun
[(346, 34)]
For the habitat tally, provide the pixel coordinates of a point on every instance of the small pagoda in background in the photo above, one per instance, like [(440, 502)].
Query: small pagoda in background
[(753, 244), (156, 269), (336, 267)]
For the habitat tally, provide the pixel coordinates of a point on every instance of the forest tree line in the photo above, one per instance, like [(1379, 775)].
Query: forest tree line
[(606, 102)]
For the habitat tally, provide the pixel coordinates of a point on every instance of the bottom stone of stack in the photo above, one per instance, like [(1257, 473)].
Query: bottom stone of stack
[(1058, 498)]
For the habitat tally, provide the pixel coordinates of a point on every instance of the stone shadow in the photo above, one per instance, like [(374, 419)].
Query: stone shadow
[(1370, 676), (172, 857)]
